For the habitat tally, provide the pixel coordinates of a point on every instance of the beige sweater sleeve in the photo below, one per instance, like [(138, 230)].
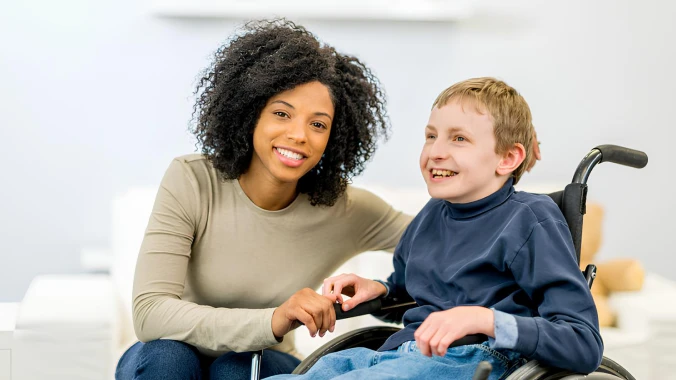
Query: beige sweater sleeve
[(158, 310), (377, 225)]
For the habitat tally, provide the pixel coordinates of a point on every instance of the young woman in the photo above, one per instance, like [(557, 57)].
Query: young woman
[(284, 123)]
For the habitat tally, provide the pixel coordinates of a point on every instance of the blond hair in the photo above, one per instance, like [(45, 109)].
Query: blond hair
[(512, 121)]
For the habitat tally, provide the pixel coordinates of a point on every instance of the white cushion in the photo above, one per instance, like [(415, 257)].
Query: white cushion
[(130, 212), (66, 329)]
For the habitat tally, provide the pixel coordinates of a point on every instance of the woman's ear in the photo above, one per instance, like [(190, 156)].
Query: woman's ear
[(511, 159)]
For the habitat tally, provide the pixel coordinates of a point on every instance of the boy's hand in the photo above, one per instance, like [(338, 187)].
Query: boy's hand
[(442, 328), (351, 285), (307, 307)]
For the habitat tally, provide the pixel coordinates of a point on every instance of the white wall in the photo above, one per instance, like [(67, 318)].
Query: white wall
[(95, 98)]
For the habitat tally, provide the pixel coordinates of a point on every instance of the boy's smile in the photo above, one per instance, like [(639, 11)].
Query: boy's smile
[(441, 174), (458, 160)]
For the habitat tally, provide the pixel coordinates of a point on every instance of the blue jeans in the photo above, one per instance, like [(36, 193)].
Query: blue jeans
[(170, 359), (407, 362)]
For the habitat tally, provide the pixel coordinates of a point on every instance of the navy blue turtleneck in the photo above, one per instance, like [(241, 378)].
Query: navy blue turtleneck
[(512, 252)]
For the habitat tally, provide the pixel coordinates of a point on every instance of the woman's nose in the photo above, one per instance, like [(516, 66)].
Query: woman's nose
[(296, 132)]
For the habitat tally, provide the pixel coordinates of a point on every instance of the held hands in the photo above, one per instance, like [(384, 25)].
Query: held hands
[(442, 328), (351, 285), (307, 307)]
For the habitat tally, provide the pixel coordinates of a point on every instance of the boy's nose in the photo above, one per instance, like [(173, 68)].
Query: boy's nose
[(439, 151)]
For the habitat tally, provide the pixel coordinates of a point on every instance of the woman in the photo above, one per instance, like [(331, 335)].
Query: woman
[(284, 123)]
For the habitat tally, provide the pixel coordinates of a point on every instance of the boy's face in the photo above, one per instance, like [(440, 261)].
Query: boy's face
[(458, 160)]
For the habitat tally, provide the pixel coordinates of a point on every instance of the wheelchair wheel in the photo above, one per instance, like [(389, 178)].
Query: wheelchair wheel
[(533, 370), (367, 337)]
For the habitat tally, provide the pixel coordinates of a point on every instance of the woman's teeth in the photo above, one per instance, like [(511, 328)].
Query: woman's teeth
[(290, 154)]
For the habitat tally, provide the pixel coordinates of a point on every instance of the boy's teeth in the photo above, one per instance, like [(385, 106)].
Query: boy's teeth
[(290, 154), (443, 173)]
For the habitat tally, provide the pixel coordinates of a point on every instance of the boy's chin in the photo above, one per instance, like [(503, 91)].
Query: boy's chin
[(438, 193)]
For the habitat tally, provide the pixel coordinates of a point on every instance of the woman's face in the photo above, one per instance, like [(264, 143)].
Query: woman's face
[(292, 132)]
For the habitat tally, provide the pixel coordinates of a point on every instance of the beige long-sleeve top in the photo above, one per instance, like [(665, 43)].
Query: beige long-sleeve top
[(213, 265)]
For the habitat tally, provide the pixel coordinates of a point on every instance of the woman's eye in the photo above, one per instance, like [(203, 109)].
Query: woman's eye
[(319, 125), (281, 114)]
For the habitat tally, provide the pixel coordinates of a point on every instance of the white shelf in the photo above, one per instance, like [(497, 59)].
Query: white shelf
[(396, 10)]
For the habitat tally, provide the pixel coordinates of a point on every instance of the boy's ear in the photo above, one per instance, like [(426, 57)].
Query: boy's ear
[(511, 159)]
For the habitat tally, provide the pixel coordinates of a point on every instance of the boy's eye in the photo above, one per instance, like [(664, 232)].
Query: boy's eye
[(431, 137), (459, 138), (281, 114)]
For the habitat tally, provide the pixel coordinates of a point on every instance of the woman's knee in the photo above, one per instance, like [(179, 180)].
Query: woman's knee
[(164, 359)]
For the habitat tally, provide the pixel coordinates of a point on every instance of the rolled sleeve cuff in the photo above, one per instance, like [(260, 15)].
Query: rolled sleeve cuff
[(386, 285), (506, 331)]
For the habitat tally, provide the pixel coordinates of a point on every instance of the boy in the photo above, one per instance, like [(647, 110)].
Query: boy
[(479, 258)]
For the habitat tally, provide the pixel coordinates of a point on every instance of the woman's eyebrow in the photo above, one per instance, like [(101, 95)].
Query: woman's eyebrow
[(324, 114), (283, 102)]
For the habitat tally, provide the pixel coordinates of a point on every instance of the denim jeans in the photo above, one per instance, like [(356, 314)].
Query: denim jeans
[(407, 362), (170, 359)]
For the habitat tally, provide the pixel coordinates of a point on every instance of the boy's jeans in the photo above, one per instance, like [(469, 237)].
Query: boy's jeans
[(408, 363)]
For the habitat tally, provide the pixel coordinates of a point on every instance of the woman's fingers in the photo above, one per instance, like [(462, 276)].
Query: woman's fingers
[(307, 319), (319, 310), (328, 317)]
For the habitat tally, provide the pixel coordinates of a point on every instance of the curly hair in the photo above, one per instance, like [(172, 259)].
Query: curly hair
[(269, 57)]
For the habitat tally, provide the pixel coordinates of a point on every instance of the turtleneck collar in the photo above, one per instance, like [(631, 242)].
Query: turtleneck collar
[(471, 209)]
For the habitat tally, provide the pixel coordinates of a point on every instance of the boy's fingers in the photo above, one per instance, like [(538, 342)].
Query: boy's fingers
[(326, 287), (444, 343)]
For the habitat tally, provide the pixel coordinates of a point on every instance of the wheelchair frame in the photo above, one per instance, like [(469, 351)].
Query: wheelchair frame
[(572, 202)]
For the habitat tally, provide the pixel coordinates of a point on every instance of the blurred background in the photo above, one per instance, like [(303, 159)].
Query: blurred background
[(96, 97)]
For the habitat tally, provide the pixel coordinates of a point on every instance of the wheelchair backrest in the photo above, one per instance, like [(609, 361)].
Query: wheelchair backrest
[(573, 204)]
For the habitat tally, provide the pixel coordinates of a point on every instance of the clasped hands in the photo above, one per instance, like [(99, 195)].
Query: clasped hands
[(316, 312)]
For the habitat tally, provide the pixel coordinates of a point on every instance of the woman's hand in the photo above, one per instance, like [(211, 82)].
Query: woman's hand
[(351, 285), (307, 307), (442, 328)]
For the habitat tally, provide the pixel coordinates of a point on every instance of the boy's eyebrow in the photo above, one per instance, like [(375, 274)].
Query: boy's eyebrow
[(293, 108), (450, 129)]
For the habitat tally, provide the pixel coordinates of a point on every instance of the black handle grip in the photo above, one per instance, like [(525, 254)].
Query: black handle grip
[(361, 309), (623, 156)]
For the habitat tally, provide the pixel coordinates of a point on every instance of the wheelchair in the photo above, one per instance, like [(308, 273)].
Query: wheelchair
[(572, 202)]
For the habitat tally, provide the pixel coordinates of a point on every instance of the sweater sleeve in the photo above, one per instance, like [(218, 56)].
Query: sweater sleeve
[(159, 281), (565, 334), (377, 225)]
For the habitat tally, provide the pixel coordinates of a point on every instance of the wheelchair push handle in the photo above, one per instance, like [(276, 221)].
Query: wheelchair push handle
[(623, 156), (608, 153), (361, 309)]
